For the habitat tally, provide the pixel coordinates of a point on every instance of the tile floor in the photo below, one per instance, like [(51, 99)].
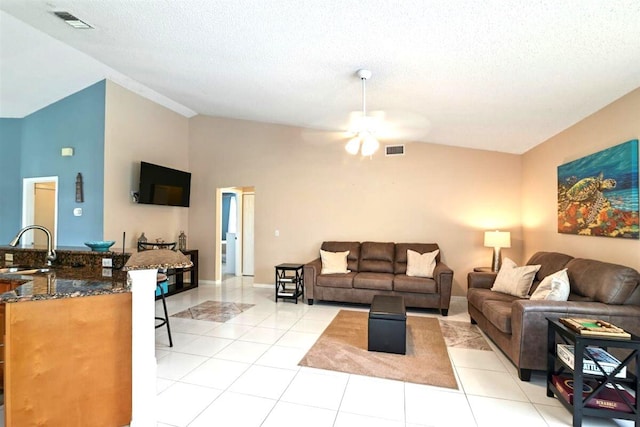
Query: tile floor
[(244, 373)]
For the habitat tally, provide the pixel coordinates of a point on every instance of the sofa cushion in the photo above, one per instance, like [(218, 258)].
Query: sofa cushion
[(334, 262), (352, 247), (499, 314), (336, 280), (421, 265), (554, 287), (376, 257), (514, 280), (367, 280), (400, 264), (421, 285), (549, 262), (602, 281), (478, 296)]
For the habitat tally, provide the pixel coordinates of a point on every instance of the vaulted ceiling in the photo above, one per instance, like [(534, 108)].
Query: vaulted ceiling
[(496, 75)]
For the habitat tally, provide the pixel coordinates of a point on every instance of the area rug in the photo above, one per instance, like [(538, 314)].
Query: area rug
[(463, 335), (214, 311), (343, 347)]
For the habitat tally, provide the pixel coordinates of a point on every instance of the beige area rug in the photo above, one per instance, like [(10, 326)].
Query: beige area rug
[(214, 311), (343, 347), (463, 335)]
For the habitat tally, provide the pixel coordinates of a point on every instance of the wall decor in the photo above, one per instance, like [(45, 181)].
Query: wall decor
[(79, 189), (598, 194)]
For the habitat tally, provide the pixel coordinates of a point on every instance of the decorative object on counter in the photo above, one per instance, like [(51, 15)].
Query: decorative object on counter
[(182, 241), (142, 246), (159, 258), (142, 238), (79, 189), (100, 245), (497, 240)]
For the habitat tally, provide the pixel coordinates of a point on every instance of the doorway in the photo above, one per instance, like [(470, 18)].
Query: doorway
[(40, 206), (234, 232)]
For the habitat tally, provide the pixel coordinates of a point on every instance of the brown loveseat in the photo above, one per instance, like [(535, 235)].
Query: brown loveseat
[(519, 327), (379, 268)]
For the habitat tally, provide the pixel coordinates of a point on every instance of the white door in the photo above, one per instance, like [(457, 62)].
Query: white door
[(248, 200), (40, 206)]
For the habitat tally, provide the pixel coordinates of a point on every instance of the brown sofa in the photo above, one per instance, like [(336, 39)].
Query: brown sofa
[(519, 327), (379, 268)]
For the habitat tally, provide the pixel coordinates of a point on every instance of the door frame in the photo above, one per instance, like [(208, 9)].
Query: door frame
[(28, 202), (239, 234)]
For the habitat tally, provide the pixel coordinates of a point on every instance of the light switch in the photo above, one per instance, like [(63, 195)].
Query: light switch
[(77, 212), (277, 233)]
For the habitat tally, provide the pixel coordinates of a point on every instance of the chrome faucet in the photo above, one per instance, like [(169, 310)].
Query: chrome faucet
[(51, 253)]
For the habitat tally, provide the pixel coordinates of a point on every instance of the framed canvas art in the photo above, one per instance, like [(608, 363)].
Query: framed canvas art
[(598, 194)]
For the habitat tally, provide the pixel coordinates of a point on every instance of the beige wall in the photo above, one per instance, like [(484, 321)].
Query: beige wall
[(617, 123), (138, 129), (311, 190)]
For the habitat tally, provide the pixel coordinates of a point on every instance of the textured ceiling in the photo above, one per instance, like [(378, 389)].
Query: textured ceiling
[(497, 75)]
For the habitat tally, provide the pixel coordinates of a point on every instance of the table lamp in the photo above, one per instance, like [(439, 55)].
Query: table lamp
[(497, 240)]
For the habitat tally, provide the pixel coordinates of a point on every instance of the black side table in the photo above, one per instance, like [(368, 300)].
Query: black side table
[(289, 281), (579, 408)]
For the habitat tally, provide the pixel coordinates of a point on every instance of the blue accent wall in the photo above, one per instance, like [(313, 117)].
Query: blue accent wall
[(10, 181), (77, 121)]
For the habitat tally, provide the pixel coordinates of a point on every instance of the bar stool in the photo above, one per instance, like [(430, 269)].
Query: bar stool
[(162, 278)]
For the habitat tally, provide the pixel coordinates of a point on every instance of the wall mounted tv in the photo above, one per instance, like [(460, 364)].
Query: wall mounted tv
[(160, 185)]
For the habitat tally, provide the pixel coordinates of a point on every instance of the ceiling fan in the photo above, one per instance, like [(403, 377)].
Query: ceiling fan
[(363, 141)]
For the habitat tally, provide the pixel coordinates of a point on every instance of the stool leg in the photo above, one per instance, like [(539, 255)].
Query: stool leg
[(166, 316)]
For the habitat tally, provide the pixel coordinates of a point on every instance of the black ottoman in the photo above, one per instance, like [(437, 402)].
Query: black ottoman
[(388, 324)]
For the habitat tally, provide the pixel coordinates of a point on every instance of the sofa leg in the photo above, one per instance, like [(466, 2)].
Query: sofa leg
[(444, 311), (473, 321), (310, 301), (524, 374)]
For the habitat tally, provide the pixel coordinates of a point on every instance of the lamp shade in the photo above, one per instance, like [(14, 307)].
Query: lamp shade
[(497, 239)]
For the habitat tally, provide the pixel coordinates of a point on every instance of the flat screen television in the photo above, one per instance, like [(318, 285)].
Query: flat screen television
[(160, 185)]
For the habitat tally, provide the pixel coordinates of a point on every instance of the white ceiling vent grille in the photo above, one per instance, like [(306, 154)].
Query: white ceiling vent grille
[(394, 150), (73, 21)]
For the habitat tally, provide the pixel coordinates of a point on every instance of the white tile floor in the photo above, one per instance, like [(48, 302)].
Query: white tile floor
[(245, 373)]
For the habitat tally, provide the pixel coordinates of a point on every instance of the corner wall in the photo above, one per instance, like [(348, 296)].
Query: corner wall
[(137, 129), (614, 124), (311, 190)]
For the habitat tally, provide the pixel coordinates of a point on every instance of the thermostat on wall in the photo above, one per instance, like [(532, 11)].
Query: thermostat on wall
[(77, 212)]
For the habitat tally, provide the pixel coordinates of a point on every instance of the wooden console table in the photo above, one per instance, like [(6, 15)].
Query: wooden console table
[(183, 279)]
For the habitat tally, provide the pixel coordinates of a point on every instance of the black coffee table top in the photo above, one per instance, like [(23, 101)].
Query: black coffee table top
[(388, 307)]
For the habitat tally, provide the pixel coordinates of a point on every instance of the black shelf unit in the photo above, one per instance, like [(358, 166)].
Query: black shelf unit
[(289, 281), (555, 366), (183, 279)]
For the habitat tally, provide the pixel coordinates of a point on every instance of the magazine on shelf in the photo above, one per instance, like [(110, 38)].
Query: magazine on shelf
[(594, 327), (607, 398), (604, 358)]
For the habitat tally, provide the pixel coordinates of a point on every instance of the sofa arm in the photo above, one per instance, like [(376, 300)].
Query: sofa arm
[(529, 324), (481, 279), (311, 270), (443, 277)]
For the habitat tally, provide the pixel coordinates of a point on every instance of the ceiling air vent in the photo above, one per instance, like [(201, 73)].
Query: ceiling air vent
[(394, 150), (72, 20)]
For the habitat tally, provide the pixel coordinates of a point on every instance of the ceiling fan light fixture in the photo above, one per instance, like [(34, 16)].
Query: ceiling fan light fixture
[(353, 145), (364, 138), (369, 145)]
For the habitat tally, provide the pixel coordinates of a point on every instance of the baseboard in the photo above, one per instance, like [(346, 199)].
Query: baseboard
[(264, 285)]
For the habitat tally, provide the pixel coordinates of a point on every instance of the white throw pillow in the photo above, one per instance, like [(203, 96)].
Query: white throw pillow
[(514, 280), (421, 265), (334, 262), (554, 287)]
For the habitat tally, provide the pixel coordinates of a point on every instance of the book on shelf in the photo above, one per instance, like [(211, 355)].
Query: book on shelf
[(607, 398), (604, 358), (594, 327)]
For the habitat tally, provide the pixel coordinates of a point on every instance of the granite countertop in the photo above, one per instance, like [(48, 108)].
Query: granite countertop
[(64, 282)]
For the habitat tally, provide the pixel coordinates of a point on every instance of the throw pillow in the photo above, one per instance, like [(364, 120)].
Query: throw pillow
[(514, 280), (554, 287), (421, 265), (334, 262)]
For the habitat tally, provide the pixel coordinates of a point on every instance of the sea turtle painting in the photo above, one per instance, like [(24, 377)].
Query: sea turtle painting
[(589, 190)]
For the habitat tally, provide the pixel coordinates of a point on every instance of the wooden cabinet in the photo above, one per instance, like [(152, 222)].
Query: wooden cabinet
[(68, 361), (5, 286)]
